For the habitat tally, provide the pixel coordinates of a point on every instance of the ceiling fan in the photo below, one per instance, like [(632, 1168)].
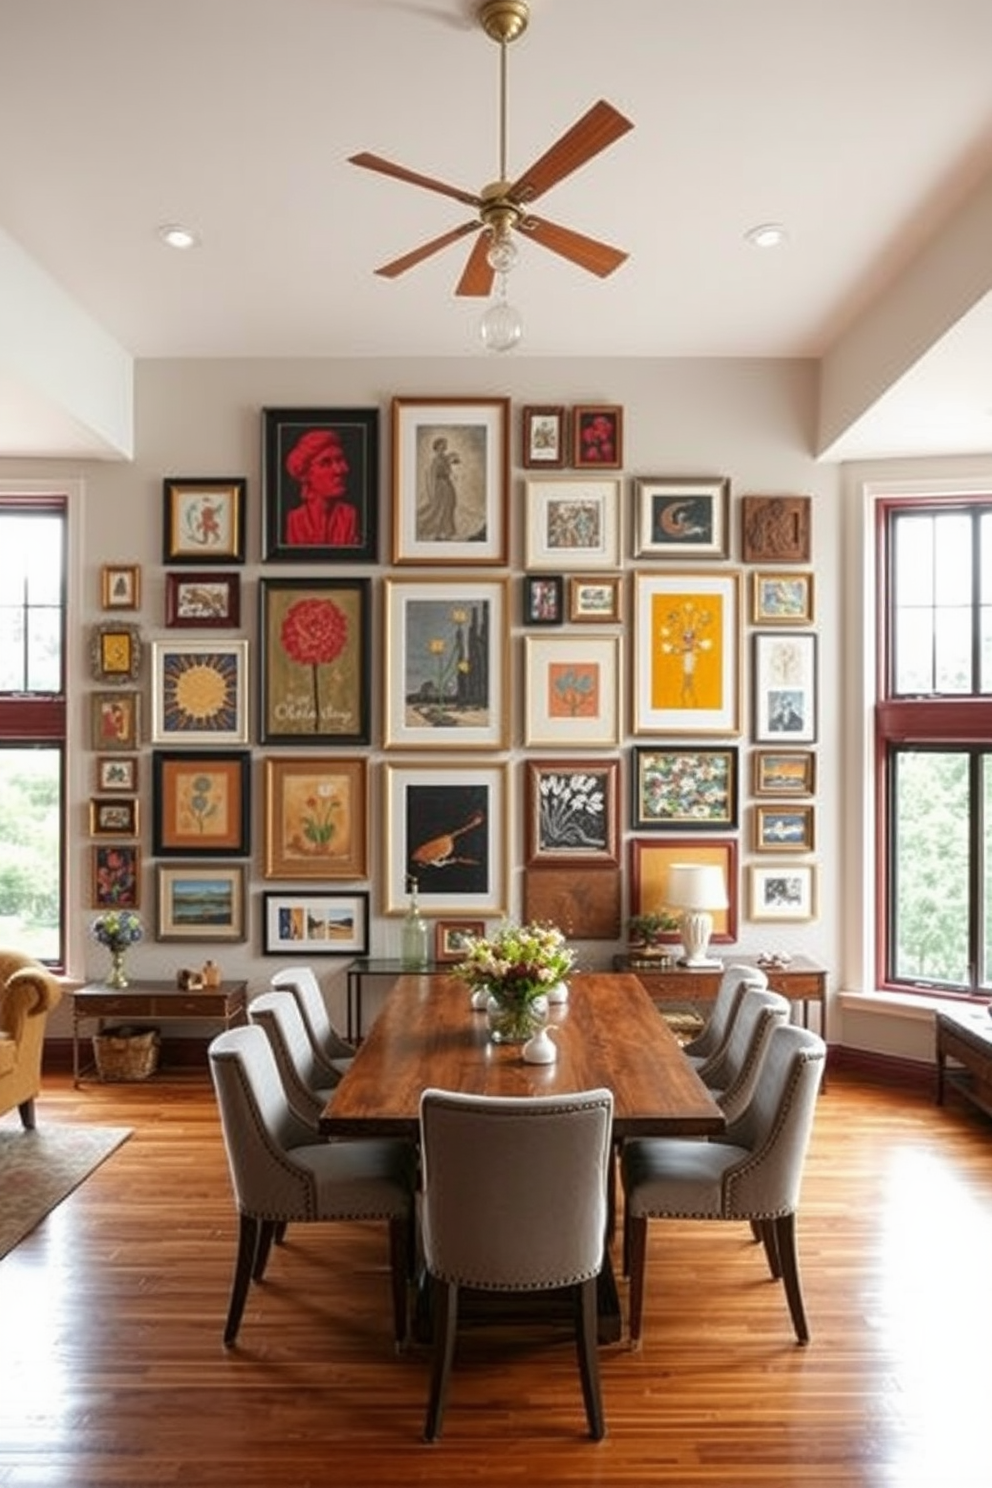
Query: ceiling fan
[(503, 207)]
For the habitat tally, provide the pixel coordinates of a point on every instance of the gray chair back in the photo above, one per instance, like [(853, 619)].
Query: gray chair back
[(328, 1043), (309, 1084), (713, 1037), (734, 1076)]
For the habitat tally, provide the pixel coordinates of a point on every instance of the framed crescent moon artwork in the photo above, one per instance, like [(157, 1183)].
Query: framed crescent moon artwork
[(681, 517)]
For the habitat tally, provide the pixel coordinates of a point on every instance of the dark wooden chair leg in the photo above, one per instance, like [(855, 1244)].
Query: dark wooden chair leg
[(280, 1232), (785, 1235), (26, 1113), (399, 1267), (636, 1232), (267, 1229), (247, 1246), (769, 1238), (444, 1296), (588, 1351)]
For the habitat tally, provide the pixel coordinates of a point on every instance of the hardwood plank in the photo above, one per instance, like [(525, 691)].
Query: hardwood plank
[(113, 1373)]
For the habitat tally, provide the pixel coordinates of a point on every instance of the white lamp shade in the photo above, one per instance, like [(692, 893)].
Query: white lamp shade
[(696, 886)]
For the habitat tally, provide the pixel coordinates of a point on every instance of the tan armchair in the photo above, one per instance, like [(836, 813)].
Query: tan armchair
[(27, 995)]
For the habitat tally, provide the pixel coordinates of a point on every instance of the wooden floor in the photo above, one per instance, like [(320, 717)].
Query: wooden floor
[(112, 1369)]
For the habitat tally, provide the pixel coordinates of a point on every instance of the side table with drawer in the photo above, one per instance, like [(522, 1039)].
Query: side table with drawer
[(226, 1005)]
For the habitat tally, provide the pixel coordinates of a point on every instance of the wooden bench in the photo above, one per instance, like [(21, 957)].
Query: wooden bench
[(964, 1034)]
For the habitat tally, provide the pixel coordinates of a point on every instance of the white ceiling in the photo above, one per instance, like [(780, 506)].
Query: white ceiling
[(861, 125)]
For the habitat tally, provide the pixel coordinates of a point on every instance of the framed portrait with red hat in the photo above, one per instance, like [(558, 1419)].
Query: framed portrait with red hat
[(320, 495)]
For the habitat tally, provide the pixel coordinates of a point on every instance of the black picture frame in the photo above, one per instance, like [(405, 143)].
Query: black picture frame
[(544, 599), (201, 803), (293, 440)]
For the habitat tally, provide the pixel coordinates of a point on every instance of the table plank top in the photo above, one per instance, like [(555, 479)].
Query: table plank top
[(609, 1034)]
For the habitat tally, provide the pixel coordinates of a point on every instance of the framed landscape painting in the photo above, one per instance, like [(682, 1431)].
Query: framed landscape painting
[(295, 923), (320, 485), (687, 652), (199, 903), (451, 459), (783, 772), (316, 666), (446, 827)]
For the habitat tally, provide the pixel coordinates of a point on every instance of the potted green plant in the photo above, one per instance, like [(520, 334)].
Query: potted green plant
[(645, 932)]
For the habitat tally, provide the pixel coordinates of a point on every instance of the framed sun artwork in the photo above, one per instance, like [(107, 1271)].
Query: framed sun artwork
[(199, 692)]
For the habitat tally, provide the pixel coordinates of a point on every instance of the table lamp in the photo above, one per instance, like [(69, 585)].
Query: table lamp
[(695, 889)]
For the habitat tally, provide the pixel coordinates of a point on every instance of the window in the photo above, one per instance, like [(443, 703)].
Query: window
[(934, 735), (32, 725)]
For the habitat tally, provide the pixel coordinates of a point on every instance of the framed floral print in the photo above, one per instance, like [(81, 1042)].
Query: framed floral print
[(120, 586), (451, 938), (115, 653), (544, 599), (203, 601), (115, 720), (650, 860), (201, 803), (196, 902), (115, 872), (783, 772), (597, 436), (682, 517), (204, 521), (783, 892), (687, 645), (316, 817), (307, 924), (684, 788), (320, 492), (572, 523), (451, 461), (200, 692), (783, 827), (782, 598), (571, 813), (316, 664), (784, 688), (544, 437), (446, 664), (117, 774), (572, 691), (445, 826)]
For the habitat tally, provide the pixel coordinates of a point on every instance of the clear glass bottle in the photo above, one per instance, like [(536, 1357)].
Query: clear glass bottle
[(413, 952)]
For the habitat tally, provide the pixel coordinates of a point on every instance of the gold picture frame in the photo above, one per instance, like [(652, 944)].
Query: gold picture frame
[(316, 817)]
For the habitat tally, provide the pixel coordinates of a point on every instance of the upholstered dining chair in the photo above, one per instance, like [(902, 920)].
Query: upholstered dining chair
[(309, 1083), (280, 1175), (514, 1200), (329, 1046), (711, 1039), (733, 1074), (752, 1172)]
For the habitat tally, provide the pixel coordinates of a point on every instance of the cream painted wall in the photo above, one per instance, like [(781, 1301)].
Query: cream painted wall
[(752, 421)]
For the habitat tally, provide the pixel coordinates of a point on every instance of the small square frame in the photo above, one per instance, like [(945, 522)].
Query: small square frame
[(597, 436), (316, 817), (572, 691), (113, 816), (115, 875), (785, 701), (572, 522), (684, 788), (595, 599), (120, 586), (215, 676), (450, 937), (783, 827), (543, 438), (544, 599), (783, 891), (451, 460), (296, 922), (293, 440), (783, 772), (781, 597), (115, 720), (199, 902), (204, 520), (116, 773), (572, 813), (776, 529), (115, 653), (203, 601), (201, 803), (682, 516)]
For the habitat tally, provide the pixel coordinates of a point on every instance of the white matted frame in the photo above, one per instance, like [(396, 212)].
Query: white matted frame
[(196, 902), (687, 652), (303, 923), (784, 688), (572, 690), (682, 517), (446, 663), (783, 891), (450, 480), (572, 523), (445, 826), (200, 692)]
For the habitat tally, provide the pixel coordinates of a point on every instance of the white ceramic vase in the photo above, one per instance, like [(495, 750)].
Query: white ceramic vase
[(540, 1048)]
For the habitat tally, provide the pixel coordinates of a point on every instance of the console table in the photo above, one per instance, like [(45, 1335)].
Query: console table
[(155, 1001), (357, 973), (801, 980), (965, 1034)]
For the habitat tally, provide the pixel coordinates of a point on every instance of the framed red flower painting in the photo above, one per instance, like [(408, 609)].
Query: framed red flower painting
[(315, 662)]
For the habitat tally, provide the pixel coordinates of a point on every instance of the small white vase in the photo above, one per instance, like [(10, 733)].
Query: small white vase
[(558, 993), (479, 999), (540, 1048)]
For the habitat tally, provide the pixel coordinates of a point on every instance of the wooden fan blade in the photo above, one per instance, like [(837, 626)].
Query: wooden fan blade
[(599, 258), (601, 126), (417, 255), (400, 173), (478, 275)]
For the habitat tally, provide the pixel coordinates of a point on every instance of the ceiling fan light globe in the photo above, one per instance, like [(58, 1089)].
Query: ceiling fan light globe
[(503, 255), (501, 327)]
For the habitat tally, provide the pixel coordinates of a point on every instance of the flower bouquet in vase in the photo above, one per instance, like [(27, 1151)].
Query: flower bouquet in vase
[(117, 929), (518, 965)]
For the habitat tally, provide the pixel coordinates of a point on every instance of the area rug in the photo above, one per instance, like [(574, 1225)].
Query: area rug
[(39, 1169)]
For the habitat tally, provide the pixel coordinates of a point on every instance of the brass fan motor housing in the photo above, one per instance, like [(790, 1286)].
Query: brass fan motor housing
[(504, 20)]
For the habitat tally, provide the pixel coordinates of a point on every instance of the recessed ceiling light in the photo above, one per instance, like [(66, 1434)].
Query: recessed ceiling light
[(767, 235), (178, 237)]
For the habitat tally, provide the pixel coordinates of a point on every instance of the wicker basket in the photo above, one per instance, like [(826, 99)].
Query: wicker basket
[(126, 1053)]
